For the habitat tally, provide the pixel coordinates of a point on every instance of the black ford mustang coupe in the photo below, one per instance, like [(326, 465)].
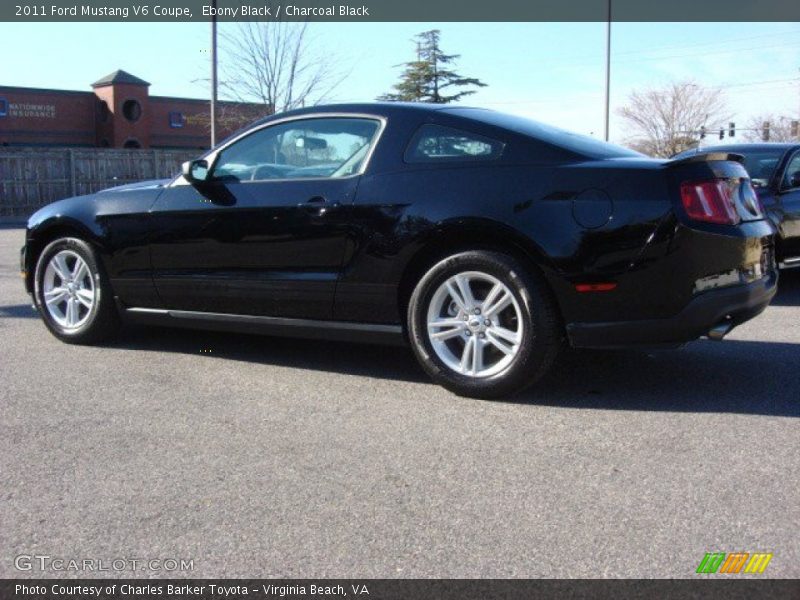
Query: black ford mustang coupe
[(483, 240)]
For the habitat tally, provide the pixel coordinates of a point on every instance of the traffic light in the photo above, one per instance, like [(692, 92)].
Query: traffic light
[(765, 131), (721, 133), (703, 132), (731, 129)]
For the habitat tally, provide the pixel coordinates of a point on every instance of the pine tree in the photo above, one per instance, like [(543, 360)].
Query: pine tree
[(430, 78)]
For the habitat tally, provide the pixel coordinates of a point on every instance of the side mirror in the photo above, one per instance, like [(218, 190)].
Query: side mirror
[(195, 171), (794, 179)]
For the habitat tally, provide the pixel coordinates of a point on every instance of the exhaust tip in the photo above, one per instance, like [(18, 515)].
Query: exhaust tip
[(718, 332), (790, 263)]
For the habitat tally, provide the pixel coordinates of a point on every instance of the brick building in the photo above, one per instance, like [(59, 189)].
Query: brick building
[(119, 112)]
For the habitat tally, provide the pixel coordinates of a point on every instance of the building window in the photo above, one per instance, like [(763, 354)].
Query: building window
[(3, 107), (176, 120), (131, 144), (131, 110)]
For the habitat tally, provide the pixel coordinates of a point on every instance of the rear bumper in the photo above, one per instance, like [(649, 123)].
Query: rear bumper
[(733, 306)]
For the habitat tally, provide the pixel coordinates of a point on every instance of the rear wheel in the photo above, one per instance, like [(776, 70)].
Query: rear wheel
[(72, 293), (482, 326)]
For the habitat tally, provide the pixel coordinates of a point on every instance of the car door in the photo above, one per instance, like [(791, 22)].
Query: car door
[(262, 230), (789, 198)]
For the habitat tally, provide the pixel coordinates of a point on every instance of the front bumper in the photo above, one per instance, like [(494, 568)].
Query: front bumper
[(731, 306)]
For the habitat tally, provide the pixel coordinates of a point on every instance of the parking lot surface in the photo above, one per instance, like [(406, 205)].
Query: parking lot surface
[(267, 457)]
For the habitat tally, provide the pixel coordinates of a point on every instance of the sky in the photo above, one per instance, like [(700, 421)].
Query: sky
[(552, 72)]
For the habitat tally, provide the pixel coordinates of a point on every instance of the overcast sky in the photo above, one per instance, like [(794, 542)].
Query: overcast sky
[(553, 72)]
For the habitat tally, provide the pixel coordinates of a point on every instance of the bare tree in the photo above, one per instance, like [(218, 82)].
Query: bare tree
[(667, 120), (781, 128), (273, 63), (231, 116)]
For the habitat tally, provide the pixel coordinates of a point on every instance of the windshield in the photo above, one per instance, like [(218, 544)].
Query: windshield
[(761, 165), (574, 142)]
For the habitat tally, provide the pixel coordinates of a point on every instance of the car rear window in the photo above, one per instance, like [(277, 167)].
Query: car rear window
[(436, 143), (574, 142)]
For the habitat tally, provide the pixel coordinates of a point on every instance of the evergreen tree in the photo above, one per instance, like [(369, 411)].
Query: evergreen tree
[(430, 78)]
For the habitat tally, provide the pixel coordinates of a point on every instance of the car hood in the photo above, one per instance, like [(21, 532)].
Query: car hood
[(91, 210)]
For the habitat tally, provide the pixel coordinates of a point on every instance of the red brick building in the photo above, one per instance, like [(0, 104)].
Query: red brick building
[(118, 113)]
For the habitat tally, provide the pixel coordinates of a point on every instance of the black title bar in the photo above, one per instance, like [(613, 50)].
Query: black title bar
[(402, 10)]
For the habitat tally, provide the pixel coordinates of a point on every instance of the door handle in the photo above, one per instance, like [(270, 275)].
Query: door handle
[(317, 205)]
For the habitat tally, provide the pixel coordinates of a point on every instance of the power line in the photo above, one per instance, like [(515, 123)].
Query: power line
[(568, 64), (762, 82), (776, 83), (729, 51), (703, 44), (640, 51)]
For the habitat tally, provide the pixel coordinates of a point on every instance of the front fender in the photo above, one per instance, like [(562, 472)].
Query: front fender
[(116, 223), (72, 216)]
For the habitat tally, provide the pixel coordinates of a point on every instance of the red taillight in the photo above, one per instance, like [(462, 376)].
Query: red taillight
[(709, 201)]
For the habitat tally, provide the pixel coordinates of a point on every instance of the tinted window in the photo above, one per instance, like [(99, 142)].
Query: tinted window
[(321, 147), (761, 165), (574, 142), (792, 172), (434, 143)]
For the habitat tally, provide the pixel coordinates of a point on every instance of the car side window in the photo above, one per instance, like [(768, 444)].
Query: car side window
[(436, 143), (791, 178), (299, 149)]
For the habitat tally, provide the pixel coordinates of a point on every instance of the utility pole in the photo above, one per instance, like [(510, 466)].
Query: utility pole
[(213, 107), (608, 71)]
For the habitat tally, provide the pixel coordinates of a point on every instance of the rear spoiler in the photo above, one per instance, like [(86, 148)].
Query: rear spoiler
[(706, 157)]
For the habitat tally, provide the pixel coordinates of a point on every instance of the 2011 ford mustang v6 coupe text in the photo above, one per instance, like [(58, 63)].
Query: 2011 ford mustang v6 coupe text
[(483, 240)]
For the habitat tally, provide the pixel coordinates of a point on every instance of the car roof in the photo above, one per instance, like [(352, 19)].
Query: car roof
[(568, 141), (380, 108)]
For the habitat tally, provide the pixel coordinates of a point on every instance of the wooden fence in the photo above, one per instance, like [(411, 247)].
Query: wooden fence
[(33, 177)]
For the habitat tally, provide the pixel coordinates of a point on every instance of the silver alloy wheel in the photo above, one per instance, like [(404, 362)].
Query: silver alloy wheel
[(475, 324), (68, 289)]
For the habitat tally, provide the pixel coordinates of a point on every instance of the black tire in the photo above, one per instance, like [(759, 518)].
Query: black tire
[(541, 329), (101, 321)]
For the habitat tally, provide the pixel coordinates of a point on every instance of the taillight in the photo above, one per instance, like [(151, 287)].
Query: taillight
[(750, 200), (710, 201)]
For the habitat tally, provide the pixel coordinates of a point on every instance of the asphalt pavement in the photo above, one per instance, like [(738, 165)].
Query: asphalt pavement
[(267, 457)]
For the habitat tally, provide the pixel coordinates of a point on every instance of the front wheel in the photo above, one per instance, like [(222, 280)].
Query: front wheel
[(482, 326), (72, 293)]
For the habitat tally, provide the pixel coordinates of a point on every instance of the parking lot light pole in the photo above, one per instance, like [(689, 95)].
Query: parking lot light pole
[(213, 107), (608, 72)]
